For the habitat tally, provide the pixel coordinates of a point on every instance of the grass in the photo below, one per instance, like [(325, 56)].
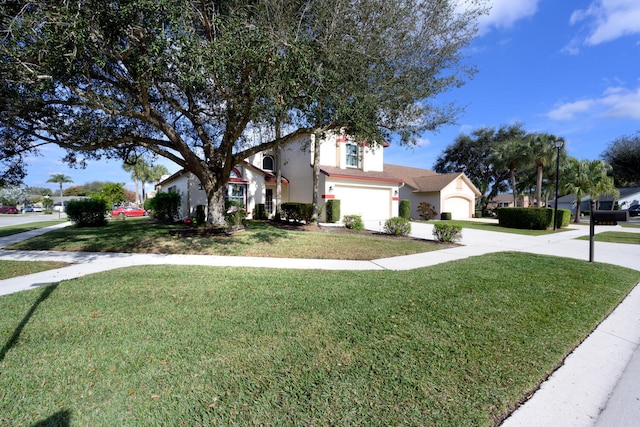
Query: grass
[(261, 239), (615, 237), (493, 226), (9, 269), (21, 228), (458, 344)]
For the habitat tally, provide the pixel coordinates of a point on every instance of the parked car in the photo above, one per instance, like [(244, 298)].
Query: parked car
[(37, 208), (128, 211), (634, 210), (28, 208), (8, 210)]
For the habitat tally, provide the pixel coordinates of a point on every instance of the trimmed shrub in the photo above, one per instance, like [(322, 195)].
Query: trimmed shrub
[(235, 213), (527, 218), (298, 212), (261, 212), (405, 209), (397, 226), (164, 206), (445, 216), (353, 222), (426, 211), (447, 233), (333, 210), (87, 212), (201, 214), (564, 218)]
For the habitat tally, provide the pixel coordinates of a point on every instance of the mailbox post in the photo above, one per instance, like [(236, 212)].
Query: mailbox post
[(603, 218)]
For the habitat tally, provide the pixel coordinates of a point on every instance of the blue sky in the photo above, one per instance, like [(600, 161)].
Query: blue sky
[(571, 68)]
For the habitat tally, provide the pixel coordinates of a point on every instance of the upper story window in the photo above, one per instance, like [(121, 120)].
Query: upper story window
[(353, 158), (267, 163), (235, 173)]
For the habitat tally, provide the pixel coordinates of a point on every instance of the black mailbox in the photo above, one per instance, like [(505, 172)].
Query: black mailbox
[(609, 217)]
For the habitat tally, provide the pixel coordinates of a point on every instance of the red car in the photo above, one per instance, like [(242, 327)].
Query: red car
[(124, 211), (8, 210)]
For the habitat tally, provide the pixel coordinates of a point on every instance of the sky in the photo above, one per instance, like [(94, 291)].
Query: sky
[(569, 68)]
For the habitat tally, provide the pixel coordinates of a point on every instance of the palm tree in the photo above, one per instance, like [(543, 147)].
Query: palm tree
[(542, 147), (511, 152), (152, 174), (60, 178), (137, 166), (588, 177)]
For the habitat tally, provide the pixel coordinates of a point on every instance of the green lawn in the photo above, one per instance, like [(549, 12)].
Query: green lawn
[(457, 344), (21, 228), (615, 237), (10, 269), (261, 239)]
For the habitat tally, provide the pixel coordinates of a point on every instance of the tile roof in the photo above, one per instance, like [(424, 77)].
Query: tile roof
[(358, 174)]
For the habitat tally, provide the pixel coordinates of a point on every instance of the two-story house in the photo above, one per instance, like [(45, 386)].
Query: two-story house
[(351, 172)]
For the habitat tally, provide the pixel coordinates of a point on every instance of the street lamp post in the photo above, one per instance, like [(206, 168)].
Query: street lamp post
[(558, 143)]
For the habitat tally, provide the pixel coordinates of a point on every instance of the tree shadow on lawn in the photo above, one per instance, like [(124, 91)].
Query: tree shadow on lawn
[(47, 291), (59, 419)]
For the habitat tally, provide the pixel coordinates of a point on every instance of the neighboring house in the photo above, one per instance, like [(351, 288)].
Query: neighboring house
[(628, 197), (351, 172), (452, 192), (505, 200)]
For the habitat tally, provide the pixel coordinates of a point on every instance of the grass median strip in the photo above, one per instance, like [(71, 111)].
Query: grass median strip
[(457, 344), (261, 239), (9, 269), (615, 237)]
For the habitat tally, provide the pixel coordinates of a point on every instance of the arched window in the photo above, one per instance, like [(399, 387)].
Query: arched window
[(267, 163)]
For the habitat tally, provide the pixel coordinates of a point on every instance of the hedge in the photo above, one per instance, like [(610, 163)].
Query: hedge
[(333, 210), (298, 212), (405, 209), (532, 218), (87, 212), (164, 206)]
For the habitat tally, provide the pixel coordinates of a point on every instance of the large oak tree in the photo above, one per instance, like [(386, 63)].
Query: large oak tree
[(190, 79)]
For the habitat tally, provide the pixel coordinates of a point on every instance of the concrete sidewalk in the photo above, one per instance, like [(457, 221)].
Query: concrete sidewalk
[(599, 377)]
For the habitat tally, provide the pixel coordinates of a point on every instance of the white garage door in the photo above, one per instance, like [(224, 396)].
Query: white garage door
[(371, 203), (458, 207)]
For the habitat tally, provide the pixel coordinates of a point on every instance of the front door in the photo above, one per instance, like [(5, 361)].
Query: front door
[(268, 203)]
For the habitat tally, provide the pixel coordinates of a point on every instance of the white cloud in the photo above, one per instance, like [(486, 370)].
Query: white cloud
[(608, 20), (615, 102), (505, 13)]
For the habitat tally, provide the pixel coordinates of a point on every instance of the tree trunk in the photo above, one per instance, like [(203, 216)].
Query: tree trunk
[(513, 188), (215, 205), (316, 174), (539, 186), (278, 166), (578, 202)]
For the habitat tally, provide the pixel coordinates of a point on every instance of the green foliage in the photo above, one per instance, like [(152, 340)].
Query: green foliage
[(333, 210), (201, 214), (397, 226), (446, 232), (353, 222), (112, 194), (445, 216), (405, 209), (623, 154), (235, 213), (426, 211), (260, 211), (297, 212), (87, 212), (564, 217), (527, 218), (164, 206)]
